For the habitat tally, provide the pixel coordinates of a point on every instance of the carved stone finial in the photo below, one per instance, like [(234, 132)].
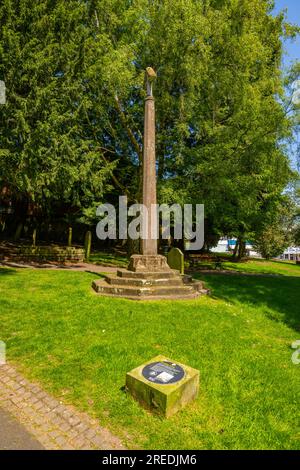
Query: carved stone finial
[(150, 77)]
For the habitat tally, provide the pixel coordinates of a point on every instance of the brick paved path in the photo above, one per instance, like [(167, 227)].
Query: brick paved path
[(54, 425)]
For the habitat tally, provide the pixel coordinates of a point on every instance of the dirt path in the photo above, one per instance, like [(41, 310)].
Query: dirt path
[(97, 269), (87, 267)]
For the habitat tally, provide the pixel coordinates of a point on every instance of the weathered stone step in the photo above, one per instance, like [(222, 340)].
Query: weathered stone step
[(198, 285), (191, 296), (124, 281), (138, 294), (171, 274), (101, 286)]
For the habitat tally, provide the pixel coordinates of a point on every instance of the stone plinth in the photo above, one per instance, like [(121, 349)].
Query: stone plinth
[(150, 263), (163, 386)]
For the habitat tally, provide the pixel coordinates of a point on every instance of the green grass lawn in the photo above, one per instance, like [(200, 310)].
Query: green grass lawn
[(108, 259), (79, 346), (257, 266)]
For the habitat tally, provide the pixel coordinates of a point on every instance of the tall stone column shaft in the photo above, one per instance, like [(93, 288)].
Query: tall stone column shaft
[(149, 245)]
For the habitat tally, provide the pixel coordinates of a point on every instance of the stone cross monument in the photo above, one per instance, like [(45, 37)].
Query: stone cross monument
[(149, 259), (148, 275), (149, 246)]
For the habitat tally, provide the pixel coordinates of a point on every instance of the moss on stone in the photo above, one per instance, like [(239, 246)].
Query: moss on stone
[(164, 399)]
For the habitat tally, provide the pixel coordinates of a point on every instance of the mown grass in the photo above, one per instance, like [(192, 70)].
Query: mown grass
[(79, 346), (108, 259), (256, 266)]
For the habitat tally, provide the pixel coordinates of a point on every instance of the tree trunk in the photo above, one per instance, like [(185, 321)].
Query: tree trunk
[(18, 231), (242, 248), (235, 251)]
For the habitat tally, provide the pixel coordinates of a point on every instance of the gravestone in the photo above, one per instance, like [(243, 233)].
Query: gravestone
[(176, 260), (70, 233), (34, 237), (163, 386), (87, 244)]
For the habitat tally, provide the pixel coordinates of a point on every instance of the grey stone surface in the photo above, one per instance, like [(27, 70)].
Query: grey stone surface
[(14, 436)]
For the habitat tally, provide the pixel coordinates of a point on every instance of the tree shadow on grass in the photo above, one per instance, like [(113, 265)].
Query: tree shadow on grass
[(101, 275), (286, 263), (7, 271), (271, 261), (279, 294)]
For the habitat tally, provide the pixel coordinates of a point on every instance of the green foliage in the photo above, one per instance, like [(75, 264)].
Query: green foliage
[(296, 235), (272, 242), (275, 232), (50, 152), (72, 127)]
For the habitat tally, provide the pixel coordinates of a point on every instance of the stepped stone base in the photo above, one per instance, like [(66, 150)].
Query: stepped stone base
[(149, 278)]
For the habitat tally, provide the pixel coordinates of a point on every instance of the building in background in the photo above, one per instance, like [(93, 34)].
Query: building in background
[(227, 245), (291, 254)]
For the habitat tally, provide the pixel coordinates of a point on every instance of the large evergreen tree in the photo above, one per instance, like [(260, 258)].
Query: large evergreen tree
[(71, 130)]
